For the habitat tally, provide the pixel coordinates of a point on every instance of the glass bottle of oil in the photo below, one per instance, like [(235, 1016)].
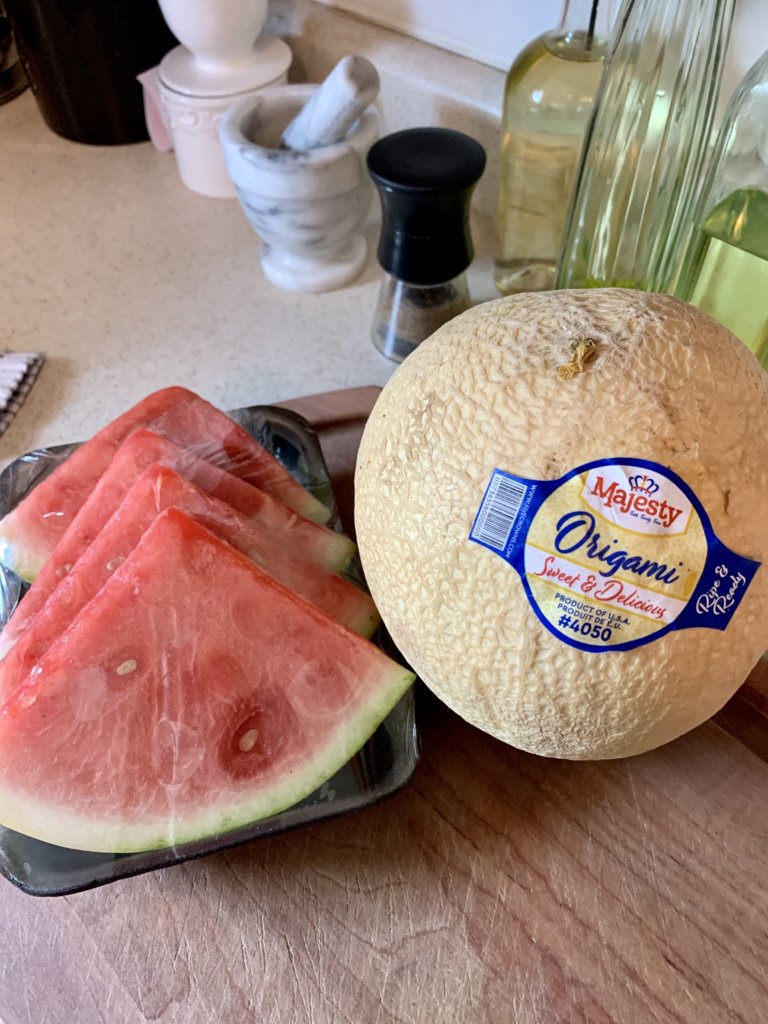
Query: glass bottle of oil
[(548, 97), (646, 143), (725, 272)]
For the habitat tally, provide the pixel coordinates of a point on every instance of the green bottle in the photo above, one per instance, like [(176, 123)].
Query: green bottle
[(725, 272)]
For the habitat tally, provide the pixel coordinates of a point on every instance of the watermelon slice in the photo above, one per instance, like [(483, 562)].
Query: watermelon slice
[(30, 532), (140, 451), (194, 694), (200, 426), (157, 489)]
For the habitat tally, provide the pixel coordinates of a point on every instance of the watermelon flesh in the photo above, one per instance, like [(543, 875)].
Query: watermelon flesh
[(192, 695), (157, 489), (31, 531), (142, 450)]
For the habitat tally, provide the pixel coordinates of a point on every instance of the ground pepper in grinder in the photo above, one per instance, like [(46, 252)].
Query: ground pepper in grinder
[(425, 178)]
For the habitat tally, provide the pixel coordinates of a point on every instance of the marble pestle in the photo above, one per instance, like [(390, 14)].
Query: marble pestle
[(337, 104)]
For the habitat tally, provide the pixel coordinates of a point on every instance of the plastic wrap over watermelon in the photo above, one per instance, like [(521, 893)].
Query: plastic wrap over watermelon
[(191, 700), (149, 473), (29, 533)]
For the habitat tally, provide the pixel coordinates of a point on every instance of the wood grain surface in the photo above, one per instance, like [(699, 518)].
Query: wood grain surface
[(496, 888)]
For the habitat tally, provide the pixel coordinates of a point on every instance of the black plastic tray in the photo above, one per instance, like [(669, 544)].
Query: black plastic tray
[(381, 767)]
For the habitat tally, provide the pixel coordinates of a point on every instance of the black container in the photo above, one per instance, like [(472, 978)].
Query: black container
[(82, 58), (382, 766), (12, 77)]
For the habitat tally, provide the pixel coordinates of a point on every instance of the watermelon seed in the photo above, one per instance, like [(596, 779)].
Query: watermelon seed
[(248, 740), (113, 564), (127, 667), (64, 569), (26, 700)]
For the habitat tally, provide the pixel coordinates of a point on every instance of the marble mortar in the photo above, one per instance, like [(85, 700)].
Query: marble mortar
[(307, 206)]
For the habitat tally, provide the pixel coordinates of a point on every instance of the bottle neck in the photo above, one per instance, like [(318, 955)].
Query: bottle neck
[(585, 23)]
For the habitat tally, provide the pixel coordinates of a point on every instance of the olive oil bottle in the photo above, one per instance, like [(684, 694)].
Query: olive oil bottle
[(728, 278), (548, 97), (725, 272)]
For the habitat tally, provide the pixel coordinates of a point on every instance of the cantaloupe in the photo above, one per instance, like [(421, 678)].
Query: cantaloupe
[(536, 386)]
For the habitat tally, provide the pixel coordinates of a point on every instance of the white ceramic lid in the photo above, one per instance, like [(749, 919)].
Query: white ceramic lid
[(182, 72)]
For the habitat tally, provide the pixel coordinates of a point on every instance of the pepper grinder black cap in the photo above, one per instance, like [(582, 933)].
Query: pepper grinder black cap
[(425, 178)]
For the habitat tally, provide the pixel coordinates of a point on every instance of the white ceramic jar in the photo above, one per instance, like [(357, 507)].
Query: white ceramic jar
[(223, 58)]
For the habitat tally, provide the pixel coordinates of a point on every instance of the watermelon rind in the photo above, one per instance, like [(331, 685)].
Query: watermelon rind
[(366, 623), (25, 560), (61, 827)]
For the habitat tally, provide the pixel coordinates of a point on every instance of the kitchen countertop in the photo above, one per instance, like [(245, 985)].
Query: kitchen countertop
[(128, 282), (496, 887)]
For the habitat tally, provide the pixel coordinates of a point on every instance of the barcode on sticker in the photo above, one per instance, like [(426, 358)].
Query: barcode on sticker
[(498, 512)]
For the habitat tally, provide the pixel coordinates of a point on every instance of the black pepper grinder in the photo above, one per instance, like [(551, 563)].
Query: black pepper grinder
[(425, 178)]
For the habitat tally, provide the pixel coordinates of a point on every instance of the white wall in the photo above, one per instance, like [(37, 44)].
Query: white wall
[(493, 31)]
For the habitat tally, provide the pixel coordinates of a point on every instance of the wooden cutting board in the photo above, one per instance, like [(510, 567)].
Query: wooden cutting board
[(496, 888)]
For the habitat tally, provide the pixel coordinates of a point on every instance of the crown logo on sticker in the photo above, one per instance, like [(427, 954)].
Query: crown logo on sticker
[(642, 483)]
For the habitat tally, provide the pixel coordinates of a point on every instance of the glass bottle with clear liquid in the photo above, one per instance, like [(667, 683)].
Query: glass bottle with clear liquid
[(548, 97), (645, 147), (725, 272)]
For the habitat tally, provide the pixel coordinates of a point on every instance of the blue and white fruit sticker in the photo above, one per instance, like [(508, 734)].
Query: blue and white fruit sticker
[(614, 554)]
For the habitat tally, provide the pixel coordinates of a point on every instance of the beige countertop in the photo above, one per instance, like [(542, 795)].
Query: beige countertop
[(128, 282)]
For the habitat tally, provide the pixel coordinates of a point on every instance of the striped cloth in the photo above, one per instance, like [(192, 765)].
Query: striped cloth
[(18, 372)]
